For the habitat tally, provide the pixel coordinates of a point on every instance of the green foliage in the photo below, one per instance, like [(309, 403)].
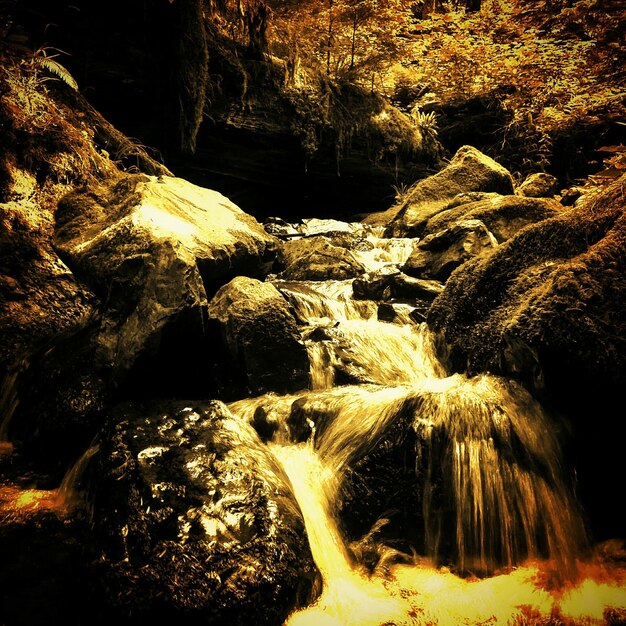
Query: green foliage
[(561, 63), (42, 58)]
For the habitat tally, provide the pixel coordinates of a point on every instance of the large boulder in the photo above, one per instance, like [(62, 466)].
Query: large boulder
[(469, 170), (261, 338), (502, 215), (549, 307), (196, 520), (437, 255), (152, 248)]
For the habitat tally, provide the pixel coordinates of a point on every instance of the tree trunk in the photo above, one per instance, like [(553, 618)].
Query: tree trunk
[(330, 36)]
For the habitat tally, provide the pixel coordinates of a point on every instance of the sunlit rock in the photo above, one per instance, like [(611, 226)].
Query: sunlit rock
[(259, 332), (153, 248), (437, 255), (538, 185), (502, 215), (196, 521), (317, 258), (469, 170)]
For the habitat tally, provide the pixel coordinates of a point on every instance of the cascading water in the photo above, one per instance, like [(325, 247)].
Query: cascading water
[(491, 493)]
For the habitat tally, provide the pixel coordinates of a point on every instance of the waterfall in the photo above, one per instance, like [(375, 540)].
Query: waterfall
[(492, 494)]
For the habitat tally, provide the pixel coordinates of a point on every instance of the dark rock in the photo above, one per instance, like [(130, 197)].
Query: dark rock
[(258, 329), (569, 197), (316, 258), (196, 520), (469, 170), (405, 286), (395, 312), (502, 215), (63, 396), (437, 255), (375, 285), (389, 282), (538, 185)]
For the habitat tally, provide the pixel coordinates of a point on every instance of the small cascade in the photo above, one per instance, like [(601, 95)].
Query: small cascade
[(73, 492), (384, 252), (492, 497), (325, 302), (492, 486)]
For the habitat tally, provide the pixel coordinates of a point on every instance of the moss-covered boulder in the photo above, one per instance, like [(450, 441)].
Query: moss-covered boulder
[(469, 170), (549, 307), (502, 215), (437, 255)]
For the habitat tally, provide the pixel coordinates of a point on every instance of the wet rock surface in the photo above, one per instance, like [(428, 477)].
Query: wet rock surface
[(196, 519), (502, 215)]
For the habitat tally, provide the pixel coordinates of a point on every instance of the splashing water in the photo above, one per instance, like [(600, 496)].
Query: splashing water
[(493, 497)]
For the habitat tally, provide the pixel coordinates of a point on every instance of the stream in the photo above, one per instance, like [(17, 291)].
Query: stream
[(503, 538)]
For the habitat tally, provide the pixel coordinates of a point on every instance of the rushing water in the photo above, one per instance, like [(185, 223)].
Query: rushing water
[(493, 495), (503, 539)]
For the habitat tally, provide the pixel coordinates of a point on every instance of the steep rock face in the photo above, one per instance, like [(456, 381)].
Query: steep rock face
[(469, 170), (548, 306), (502, 215), (197, 520), (260, 335)]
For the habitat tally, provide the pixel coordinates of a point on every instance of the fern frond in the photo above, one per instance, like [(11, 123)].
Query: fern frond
[(54, 67)]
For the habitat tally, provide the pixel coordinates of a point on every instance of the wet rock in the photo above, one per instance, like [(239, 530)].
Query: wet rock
[(316, 258), (259, 332), (437, 255), (539, 185), (502, 215), (418, 289), (375, 285), (390, 282), (196, 520), (469, 170), (396, 313), (278, 227)]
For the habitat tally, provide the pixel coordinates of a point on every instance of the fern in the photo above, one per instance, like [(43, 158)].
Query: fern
[(42, 59)]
